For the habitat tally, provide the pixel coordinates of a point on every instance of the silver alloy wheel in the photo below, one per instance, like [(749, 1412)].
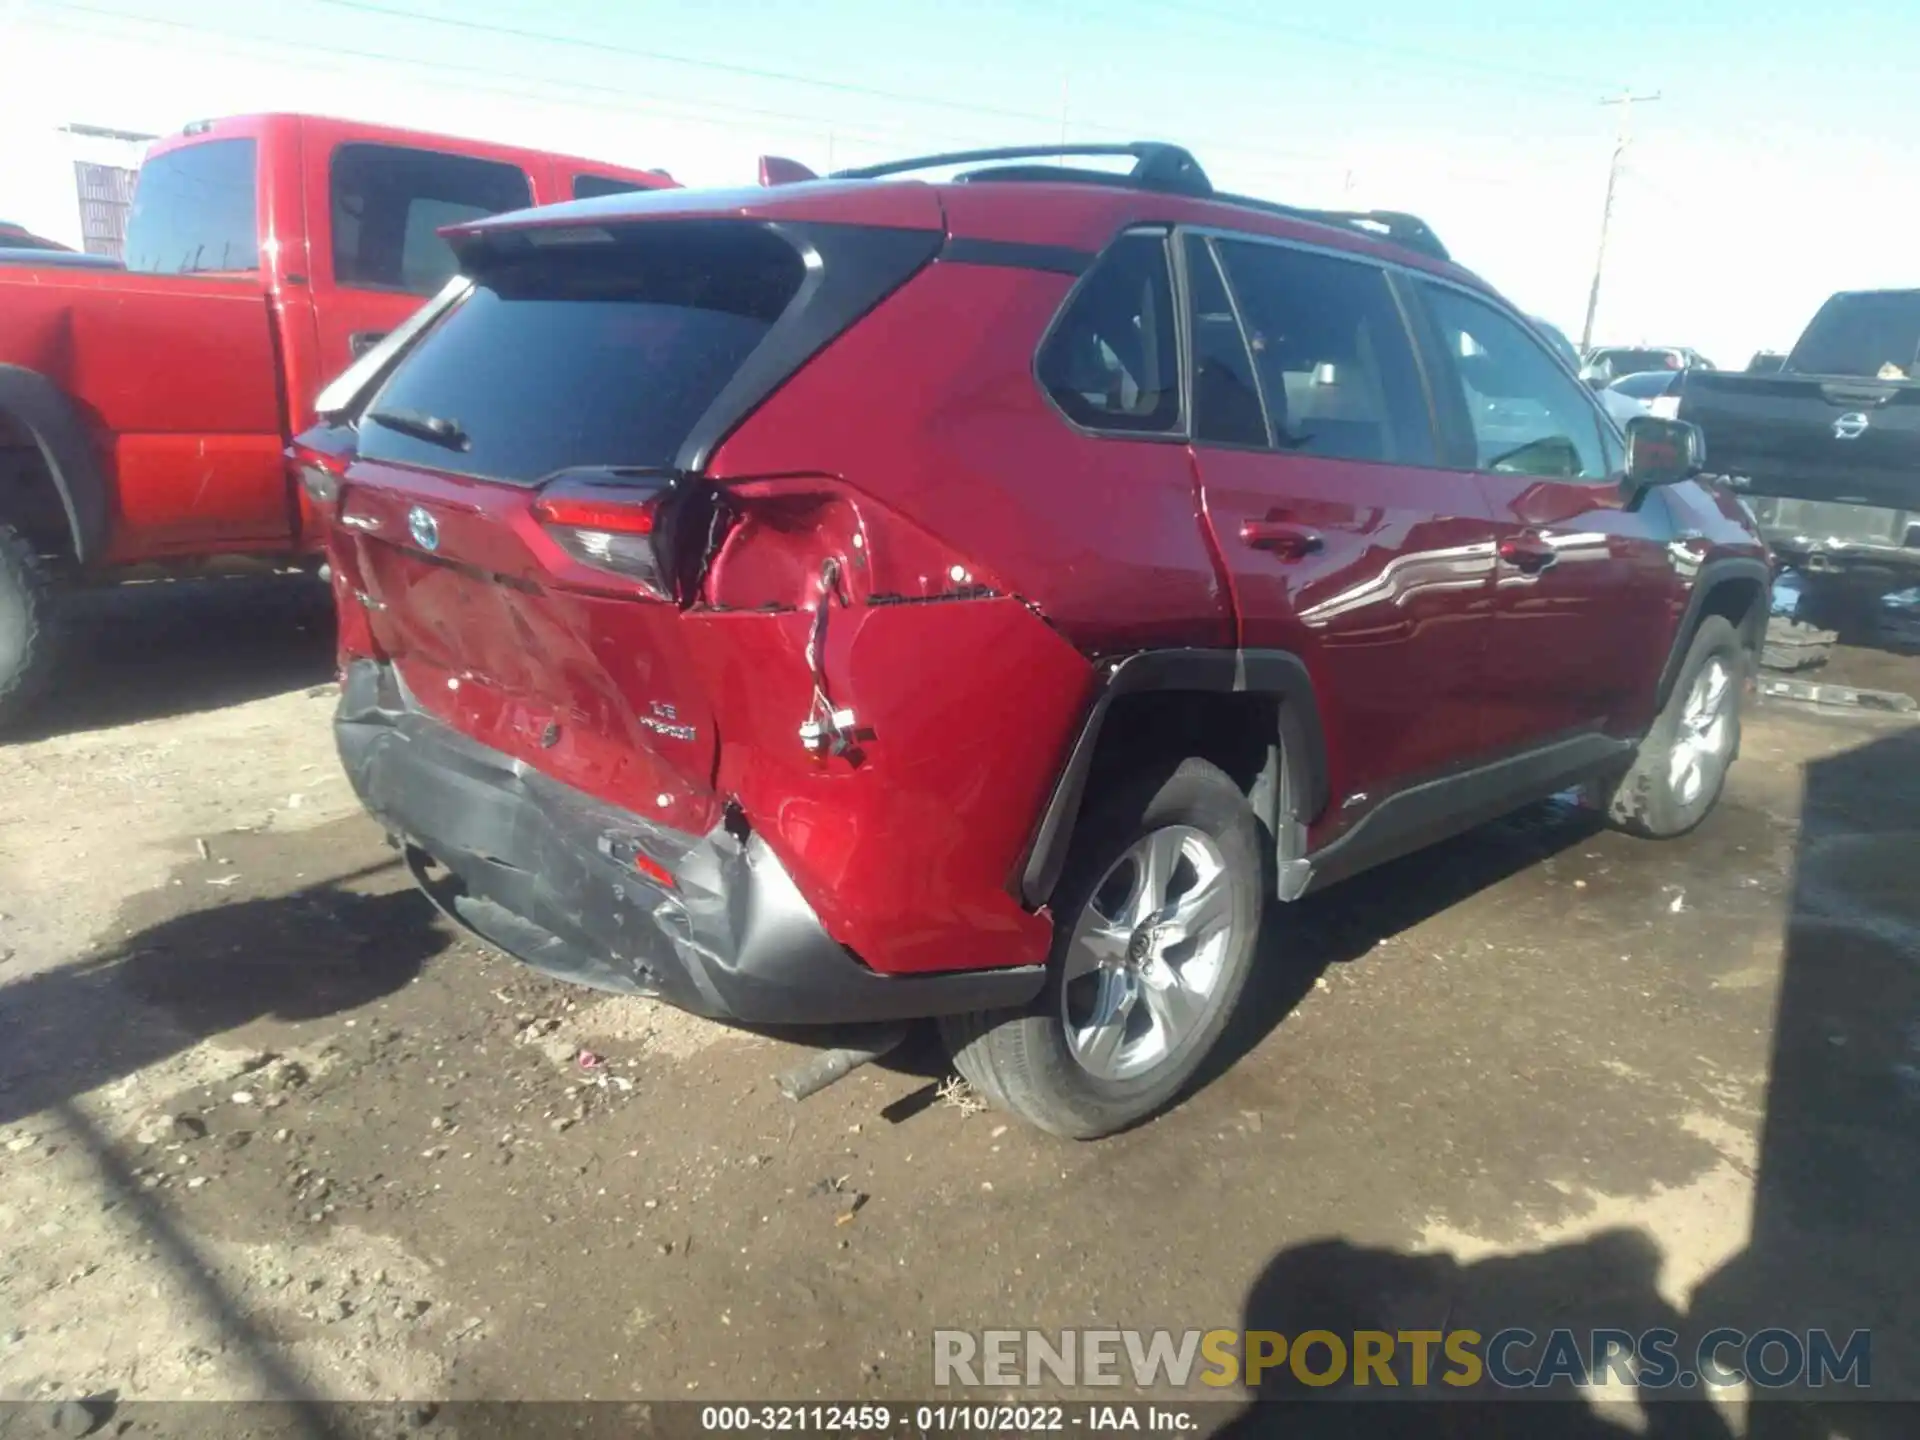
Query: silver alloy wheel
[(1148, 951), (1705, 734)]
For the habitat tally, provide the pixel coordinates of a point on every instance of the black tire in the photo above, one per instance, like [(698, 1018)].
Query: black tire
[(1648, 800), (28, 633), (1793, 645), (1022, 1059)]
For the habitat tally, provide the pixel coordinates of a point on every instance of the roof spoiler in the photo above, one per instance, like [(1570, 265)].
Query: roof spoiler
[(778, 170)]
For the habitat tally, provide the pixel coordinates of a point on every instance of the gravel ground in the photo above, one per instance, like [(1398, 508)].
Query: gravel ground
[(268, 1128)]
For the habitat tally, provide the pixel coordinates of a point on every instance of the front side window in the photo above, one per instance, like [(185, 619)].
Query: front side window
[(1332, 354), (389, 202), (1112, 361), (1527, 416), (194, 211)]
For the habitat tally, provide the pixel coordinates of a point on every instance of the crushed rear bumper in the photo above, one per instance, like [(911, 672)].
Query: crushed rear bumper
[(546, 873)]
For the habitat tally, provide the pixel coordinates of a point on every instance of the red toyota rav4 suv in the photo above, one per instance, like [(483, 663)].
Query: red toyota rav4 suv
[(860, 599)]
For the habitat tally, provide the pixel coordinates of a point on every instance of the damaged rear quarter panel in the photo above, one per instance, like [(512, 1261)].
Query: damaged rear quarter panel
[(906, 855)]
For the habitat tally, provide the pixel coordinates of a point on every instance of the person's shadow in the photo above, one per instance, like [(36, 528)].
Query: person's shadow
[(1607, 1281), (301, 956)]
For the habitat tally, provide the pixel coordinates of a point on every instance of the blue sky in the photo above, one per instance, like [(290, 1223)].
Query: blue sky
[(1774, 170)]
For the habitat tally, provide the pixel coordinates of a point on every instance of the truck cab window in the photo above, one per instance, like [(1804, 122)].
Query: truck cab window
[(194, 211), (389, 202), (1874, 335), (592, 187)]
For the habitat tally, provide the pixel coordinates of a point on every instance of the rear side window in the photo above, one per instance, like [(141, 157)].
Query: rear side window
[(1872, 336), (388, 202), (1112, 360), (592, 187), (587, 354), (1332, 353), (194, 212)]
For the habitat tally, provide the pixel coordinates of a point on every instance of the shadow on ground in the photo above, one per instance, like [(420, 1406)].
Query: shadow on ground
[(321, 950), (1300, 942), (1833, 1242), (142, 652)]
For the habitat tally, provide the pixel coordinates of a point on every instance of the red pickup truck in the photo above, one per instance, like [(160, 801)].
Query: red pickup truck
[(145, 411)]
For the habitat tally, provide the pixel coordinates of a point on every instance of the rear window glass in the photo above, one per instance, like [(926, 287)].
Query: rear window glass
[(1636, 362), (1649, 385), (588, 354), (1874, 336), (194, 213)]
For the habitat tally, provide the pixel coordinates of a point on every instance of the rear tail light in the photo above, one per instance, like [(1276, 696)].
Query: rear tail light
[(320, 472), (616, 527)]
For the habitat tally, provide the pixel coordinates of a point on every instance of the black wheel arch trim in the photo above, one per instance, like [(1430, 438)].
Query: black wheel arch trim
[(1713, 575), (1299, 795), (66, 444)]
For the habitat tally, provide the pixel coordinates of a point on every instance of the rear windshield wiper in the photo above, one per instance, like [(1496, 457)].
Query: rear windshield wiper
[(434, 429)]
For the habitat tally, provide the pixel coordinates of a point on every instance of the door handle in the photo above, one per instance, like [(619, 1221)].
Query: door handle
[(362, 341), (1528, 554), (1278, 537)]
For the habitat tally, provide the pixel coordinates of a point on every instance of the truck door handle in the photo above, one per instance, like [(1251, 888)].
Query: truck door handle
[(362, 341), (1528, 554), (1278, 537)]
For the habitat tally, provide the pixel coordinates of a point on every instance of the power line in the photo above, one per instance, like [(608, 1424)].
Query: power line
[(487, 27), (1512, 73), (1047, 122), (619, 94), (619, 100)]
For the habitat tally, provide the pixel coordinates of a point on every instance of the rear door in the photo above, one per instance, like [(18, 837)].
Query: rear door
[(1346, 541), (1583, 585), (374, 211)]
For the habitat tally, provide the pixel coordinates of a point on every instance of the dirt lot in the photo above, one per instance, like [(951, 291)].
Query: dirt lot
[(268, 1128)]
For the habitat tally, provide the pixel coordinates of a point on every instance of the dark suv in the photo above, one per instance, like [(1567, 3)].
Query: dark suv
[(870, 599)]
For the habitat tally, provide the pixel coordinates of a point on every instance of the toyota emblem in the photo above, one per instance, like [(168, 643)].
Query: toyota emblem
[(424, 529)]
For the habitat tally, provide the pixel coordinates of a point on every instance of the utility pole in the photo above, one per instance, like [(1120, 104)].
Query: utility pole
[(1626, 100)]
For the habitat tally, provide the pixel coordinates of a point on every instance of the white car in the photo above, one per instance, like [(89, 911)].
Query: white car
[(1653, 392), (1618, 406)]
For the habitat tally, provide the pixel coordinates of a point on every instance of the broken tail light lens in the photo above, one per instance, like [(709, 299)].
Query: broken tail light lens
[(320, 472), (617, 528)]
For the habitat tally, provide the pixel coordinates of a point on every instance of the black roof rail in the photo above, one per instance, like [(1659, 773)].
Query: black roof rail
[(1169, 169), (1393, 225), (1156, 166)]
